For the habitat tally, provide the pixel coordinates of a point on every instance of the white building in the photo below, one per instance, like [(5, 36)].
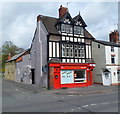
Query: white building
[(107, 59)]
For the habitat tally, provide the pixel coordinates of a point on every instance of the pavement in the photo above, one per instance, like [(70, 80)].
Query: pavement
[(93, 89)]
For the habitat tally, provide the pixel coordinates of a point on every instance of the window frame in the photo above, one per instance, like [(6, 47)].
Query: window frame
[(112, 59), (112, 49)]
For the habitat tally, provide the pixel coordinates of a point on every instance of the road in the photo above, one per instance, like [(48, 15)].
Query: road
[(18, 99)]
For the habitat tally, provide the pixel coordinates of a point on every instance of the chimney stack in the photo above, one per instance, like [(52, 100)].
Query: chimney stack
[(62, 11), (38, 18), (9, 56), (114, 36)]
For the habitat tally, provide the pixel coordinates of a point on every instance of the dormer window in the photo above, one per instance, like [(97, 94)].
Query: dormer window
[(66, 28), (78, 30), (63, 27)]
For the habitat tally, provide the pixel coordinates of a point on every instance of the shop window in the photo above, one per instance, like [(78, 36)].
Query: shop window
[(80, 76), (67, 76)]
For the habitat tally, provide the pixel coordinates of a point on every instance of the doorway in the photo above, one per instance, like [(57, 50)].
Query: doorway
[(33, 76), (118, 73), (107, 78)]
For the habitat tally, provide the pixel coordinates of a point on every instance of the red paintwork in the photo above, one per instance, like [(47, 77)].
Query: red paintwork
[(60, 66)]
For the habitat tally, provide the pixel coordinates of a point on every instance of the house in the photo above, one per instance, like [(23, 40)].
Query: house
[(13, 64), (61, 52), (107, 59), (23, 70)]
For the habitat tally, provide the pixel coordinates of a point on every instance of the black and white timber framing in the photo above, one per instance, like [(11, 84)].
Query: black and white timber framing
[(71, 46)]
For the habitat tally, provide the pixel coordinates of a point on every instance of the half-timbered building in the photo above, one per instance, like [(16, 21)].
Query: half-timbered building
[(61, 53)]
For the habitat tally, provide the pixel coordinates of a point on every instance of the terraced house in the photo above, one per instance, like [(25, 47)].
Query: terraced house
[(107, 57)]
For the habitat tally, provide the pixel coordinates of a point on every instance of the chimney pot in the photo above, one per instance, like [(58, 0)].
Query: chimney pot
[(114, 36), (9, 56), (62, 11), (38, 18)]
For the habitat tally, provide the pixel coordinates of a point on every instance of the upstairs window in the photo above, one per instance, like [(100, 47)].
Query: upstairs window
[(66, 28), (112, 49), (69, 50), (98, 45), (78, 30), (112, 59), (79, 51)]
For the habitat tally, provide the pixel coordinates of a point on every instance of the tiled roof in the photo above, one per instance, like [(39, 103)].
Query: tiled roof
[(107, 43), (17, 56), (50, 22)]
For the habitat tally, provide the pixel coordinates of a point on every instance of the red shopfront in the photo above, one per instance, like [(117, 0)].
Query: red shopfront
[(70, 75)]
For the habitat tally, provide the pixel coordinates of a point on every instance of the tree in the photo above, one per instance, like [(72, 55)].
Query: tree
[(9, 48)]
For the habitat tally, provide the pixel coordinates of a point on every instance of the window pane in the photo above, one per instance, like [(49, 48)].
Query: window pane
[(82, 31), (71, 29), (112, 49), (63, 27), (113, 59), (79, 76), (67, 28)]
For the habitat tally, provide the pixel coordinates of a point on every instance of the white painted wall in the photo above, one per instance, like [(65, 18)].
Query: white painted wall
[(114, 76), (112, 67), (109, 53)]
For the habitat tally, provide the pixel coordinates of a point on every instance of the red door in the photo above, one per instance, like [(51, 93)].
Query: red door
[(56, 78), (89, 80)]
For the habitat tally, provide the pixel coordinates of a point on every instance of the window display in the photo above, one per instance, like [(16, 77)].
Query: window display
[(73, 76)]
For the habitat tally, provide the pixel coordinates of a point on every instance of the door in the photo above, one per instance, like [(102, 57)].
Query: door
[(56, 81), (118, 73), (89, 78), (33, 76), (56, 78), (106, 79)]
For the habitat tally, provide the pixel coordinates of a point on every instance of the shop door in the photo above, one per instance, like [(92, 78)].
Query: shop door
[(89, 78), (56, 81), (56, 78), (106, 79)]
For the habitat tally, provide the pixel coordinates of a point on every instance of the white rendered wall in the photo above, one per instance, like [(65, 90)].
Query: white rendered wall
[(109, 53), (114, 76), (112, 67)]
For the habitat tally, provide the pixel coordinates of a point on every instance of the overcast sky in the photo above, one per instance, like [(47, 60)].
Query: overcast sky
[(19, 19)]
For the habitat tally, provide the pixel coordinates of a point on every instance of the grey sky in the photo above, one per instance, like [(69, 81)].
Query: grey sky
[(19, 19)]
